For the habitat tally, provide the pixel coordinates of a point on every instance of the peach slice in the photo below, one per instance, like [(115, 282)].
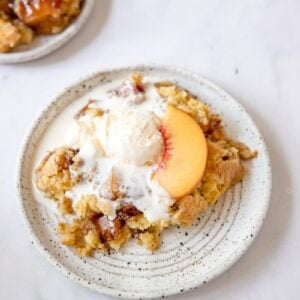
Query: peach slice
[(185, 153)]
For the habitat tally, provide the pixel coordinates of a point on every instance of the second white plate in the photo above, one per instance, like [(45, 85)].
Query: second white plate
[(44, 45)]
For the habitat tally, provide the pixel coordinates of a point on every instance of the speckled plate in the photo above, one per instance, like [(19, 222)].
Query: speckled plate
[(188, 257), (44, 45)]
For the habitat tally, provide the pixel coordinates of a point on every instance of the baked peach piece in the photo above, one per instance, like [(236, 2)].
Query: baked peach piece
[(47, 16), (5, 6), (185, 153)]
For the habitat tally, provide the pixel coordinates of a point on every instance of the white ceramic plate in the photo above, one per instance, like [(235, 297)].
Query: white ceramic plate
[(189, 257), (44, 45)]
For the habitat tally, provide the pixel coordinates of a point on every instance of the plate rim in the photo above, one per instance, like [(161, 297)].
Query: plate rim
[(214, 273), (62, 38)]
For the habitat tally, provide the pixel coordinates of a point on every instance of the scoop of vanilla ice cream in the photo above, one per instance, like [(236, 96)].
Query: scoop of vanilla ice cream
[(130, 136)]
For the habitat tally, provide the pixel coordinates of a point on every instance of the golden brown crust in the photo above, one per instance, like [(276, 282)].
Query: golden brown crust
[(223, 170), (26, 32), (138, 222), (13, 33), (65, 206), (53, 176), (9, 35), (188, 209), (243, 150), (83, 235), (149, 240), (120, 238)]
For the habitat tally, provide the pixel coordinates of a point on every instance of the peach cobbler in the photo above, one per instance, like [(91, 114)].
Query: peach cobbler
[(20, 20), (140, 157)]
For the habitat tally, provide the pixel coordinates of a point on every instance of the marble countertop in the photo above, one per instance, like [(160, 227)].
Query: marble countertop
[(251, 48)]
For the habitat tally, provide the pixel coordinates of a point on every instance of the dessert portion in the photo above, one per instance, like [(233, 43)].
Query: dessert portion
[(21, 20), (139, 158)]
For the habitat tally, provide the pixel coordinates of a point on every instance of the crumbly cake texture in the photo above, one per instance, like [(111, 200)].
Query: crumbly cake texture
[(13, 33), (92, 230), (20, 20)]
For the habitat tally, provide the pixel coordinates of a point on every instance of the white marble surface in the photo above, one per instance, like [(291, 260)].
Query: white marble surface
[(251, 48)]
